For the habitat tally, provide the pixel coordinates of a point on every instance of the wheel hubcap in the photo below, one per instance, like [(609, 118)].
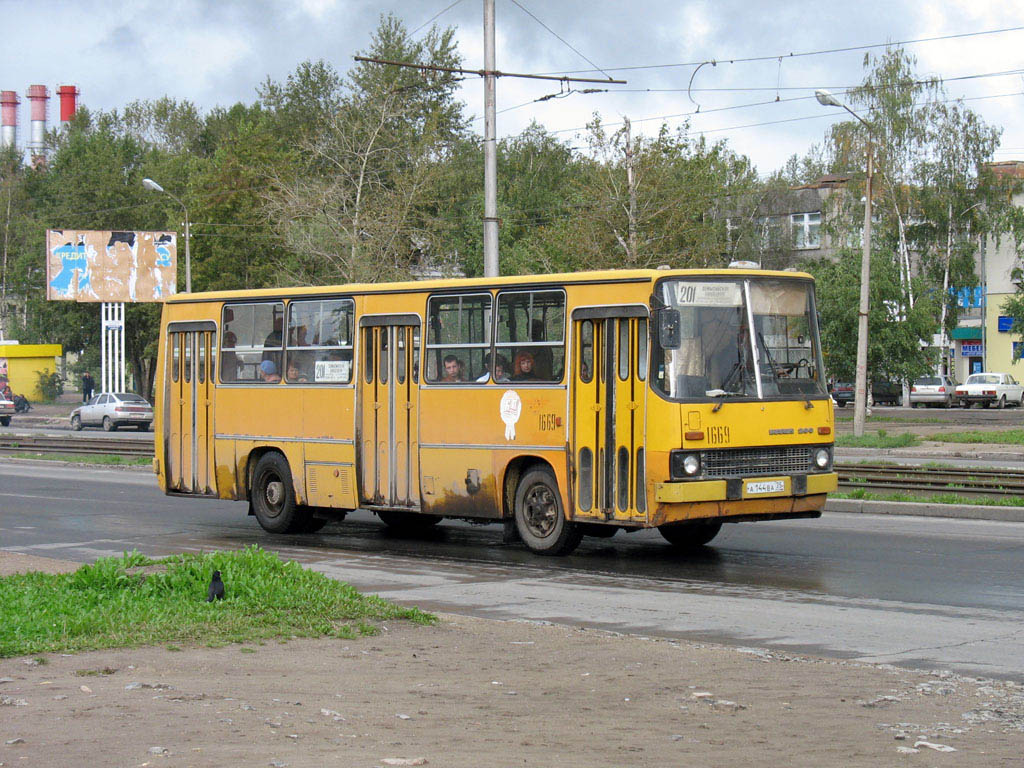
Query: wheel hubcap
[(274, 496), (541, 511)]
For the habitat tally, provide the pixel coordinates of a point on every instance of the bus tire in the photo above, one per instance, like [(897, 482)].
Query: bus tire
[(273, 496), (412, 522), (689, 536), (539, 516)]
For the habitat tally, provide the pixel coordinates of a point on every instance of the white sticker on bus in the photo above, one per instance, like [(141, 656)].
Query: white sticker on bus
[(332, 370), (716, 294), (511, 408)]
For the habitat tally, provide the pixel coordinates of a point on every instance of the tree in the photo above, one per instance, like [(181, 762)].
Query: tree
[(357, 208)]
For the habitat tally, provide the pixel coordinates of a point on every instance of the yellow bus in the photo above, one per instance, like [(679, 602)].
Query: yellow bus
[(560, 405)]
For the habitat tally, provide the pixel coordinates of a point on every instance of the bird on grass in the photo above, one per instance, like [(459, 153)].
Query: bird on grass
[(216, 589)]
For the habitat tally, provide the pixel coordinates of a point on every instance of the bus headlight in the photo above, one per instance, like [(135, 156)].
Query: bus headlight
[(684, 464), (822, 458)]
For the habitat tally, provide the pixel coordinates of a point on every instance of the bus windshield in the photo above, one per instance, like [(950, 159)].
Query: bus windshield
[(736, 338)]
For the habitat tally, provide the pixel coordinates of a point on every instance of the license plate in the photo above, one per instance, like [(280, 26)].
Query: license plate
[(768, 486)]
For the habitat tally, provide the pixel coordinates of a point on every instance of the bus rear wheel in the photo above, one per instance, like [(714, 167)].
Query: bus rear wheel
[(688, 536), (539, 516), (273, 496)]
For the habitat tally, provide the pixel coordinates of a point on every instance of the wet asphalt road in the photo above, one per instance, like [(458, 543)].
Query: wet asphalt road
[(913, 591)]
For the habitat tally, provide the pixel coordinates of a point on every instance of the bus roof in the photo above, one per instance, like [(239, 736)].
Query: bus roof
[(594, 276)]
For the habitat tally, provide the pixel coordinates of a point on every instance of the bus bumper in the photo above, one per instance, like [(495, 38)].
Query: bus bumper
[(742, 497)]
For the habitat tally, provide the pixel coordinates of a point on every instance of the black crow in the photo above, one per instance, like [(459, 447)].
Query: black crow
[(216, 590)]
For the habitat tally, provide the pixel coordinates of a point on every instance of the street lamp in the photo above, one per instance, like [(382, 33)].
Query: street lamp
[(152, 185), (860, 401)]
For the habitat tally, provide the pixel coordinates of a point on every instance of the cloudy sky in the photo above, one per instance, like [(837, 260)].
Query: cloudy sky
[(216, 52)]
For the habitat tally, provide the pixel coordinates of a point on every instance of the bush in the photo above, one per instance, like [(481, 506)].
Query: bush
[(51, 385)]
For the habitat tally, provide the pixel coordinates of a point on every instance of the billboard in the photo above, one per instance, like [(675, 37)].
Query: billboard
[(84, 265)]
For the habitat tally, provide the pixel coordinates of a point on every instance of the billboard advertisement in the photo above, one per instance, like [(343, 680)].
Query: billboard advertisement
[(85, 265)]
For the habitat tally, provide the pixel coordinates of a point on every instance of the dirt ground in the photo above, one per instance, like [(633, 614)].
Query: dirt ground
[(472, 692)]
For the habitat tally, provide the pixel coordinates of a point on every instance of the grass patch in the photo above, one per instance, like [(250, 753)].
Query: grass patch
[(124, 461), (104, 606), (935, 498), (880, 439), (999, 437), (898, 419)]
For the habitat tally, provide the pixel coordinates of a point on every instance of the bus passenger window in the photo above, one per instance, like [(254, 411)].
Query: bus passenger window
[(253, 333), (531, 334), (320, 341), (458, 339)]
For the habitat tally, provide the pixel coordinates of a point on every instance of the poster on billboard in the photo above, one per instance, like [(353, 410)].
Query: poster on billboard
[(87, 265)]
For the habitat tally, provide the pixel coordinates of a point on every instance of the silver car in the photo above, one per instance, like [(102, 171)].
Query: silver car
[(932, 389), (113, 410)]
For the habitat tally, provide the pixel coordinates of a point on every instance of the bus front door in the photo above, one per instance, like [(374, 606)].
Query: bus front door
[(609, 413), (389, 421), (188, 415)]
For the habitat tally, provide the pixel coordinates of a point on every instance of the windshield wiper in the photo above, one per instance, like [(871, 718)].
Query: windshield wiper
[(722, 395)]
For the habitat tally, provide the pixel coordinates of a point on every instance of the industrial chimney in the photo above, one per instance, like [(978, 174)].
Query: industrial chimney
[(68, 101), (9, 124), (38, 96)]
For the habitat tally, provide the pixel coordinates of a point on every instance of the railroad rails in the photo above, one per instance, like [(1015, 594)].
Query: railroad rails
[(75, 446), (912, 480), (976, 483)]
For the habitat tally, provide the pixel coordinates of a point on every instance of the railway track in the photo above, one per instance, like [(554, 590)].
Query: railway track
[(877, 478), (75, 446)]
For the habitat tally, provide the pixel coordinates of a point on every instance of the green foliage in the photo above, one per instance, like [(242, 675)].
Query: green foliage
[(878, 440), (51, 385), (107, 605), (1001, 437)]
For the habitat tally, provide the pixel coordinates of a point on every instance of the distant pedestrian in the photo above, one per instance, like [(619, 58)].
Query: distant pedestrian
[(87, 386)]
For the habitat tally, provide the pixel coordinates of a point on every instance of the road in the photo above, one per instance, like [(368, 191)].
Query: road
[(911, 591)]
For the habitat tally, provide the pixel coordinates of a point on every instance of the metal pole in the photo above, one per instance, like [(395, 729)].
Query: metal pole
[(490, 149), (120, 332), (860, 393), (188, 255), (103, 347)]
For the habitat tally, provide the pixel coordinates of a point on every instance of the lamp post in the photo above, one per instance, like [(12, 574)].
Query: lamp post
[(860, 400), (152, 185)]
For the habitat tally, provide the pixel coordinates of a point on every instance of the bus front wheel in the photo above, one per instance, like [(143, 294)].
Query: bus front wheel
[(686, 536), (539, 516), (273, 495)]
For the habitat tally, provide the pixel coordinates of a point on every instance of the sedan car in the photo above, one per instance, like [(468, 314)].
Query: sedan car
[(6, 411), (990, 388), (932, 390), (113, 410)]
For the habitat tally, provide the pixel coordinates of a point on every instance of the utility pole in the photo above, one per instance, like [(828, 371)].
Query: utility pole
[(490, 76), (490, 148)]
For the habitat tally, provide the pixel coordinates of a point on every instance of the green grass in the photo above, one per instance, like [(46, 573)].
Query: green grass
[(103, 606), (898, 419), (936, 498), (133, 461), (880, 439), (999, 437)]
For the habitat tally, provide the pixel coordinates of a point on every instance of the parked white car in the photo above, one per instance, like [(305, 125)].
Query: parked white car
[(110, 411), (932, 389), (6, 411), (1000, 389)]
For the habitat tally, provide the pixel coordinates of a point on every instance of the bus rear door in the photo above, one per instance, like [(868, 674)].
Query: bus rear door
[(609, 413), (389, 418), (188, 407)]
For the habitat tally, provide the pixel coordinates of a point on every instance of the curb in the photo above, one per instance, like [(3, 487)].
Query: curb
[(937, 454), (924, 509)]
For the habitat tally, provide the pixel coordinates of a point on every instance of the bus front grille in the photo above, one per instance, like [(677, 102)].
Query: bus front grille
[(744, 462)]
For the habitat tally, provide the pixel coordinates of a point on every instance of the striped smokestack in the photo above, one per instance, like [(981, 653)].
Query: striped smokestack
[(38, 96), (9, 124)]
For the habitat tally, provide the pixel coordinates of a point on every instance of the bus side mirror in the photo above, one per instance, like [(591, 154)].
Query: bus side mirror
[(668, 329)]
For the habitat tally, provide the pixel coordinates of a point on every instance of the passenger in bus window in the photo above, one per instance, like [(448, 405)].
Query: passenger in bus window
[(228, 359), (293, 373), (522, 368), (273, 340), (453, 370), (268, 372), (500, 370)]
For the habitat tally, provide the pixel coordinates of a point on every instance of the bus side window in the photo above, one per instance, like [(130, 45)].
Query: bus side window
[(458, 339), (531, 334)]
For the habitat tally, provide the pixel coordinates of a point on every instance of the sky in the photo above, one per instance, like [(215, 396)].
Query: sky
[(217, 52)]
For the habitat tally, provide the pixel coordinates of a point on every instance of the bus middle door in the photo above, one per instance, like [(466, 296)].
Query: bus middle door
[(389, 420), (188, 445), (609, 413)]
